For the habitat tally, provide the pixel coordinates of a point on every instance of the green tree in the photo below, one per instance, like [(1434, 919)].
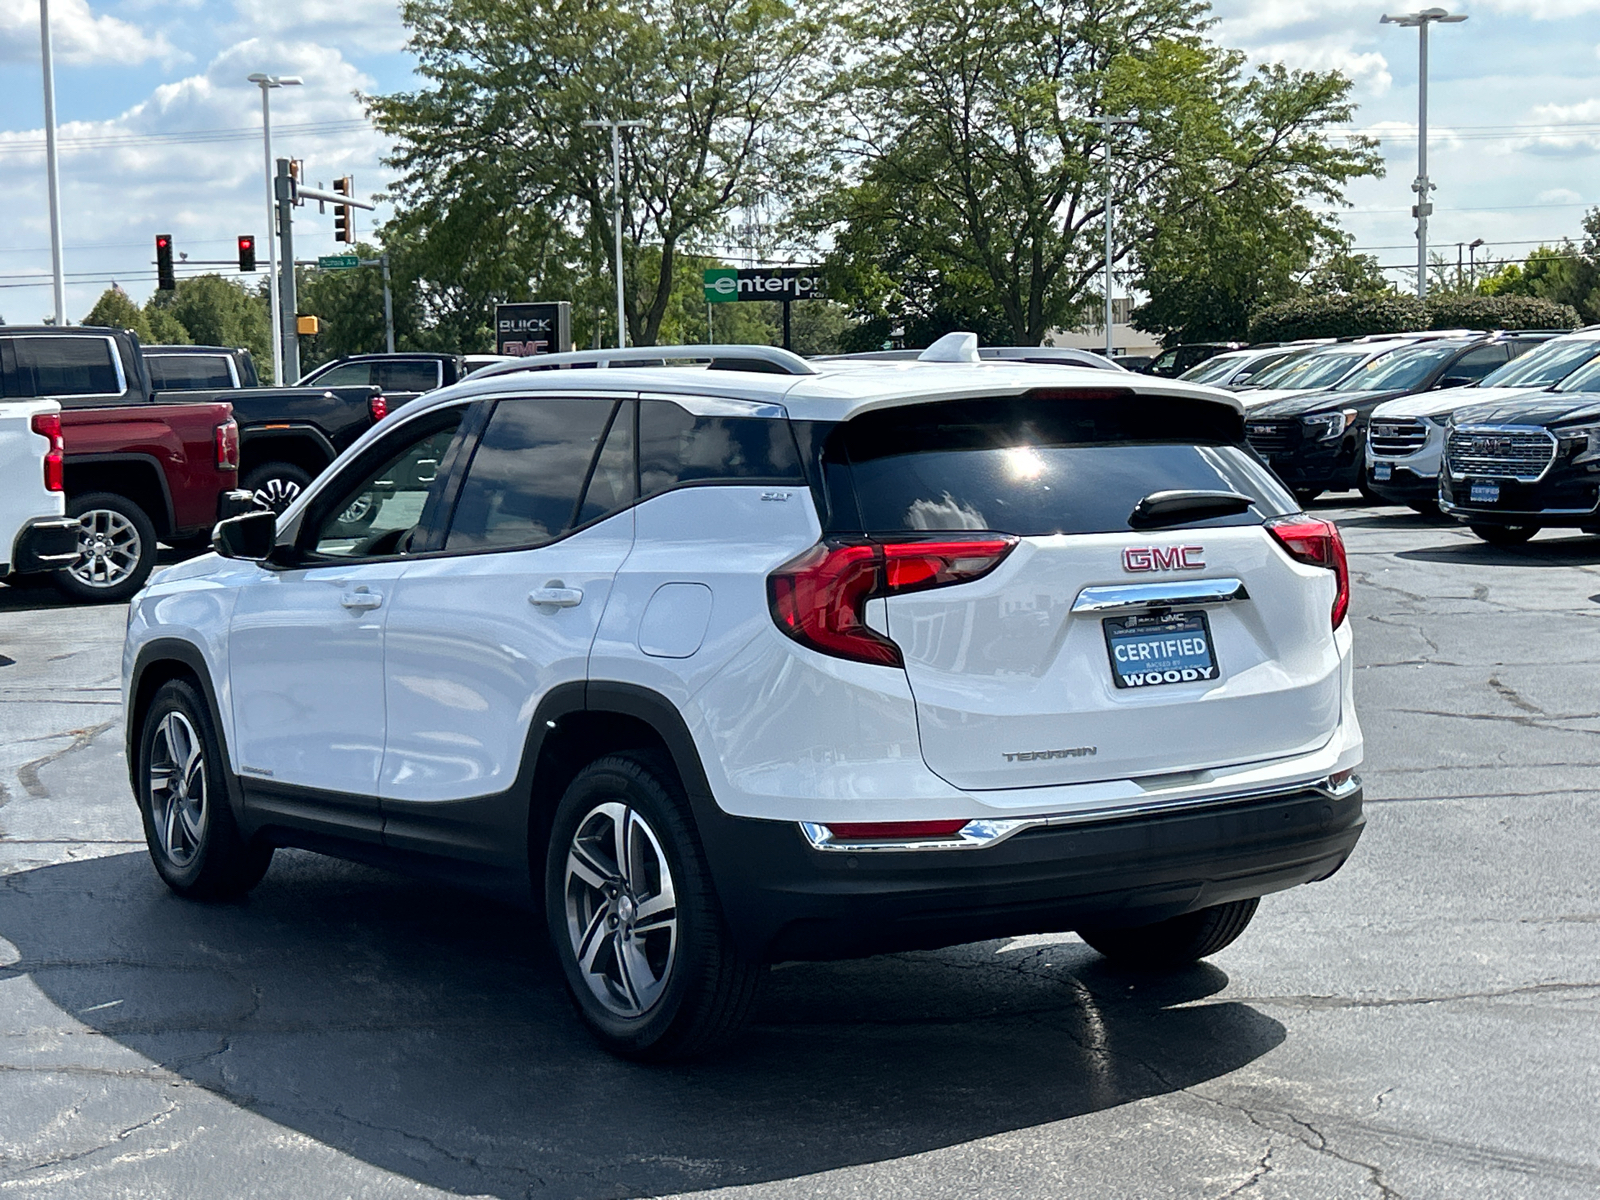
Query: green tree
[(167, 330), (216, 312), (978, 162), (510, 193), (115, 310)]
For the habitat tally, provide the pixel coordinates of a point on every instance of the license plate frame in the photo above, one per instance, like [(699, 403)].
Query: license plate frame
[(1177, 664), (1483, 491)]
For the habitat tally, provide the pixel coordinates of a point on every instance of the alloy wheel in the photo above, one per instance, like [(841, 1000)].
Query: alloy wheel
[(276, 494), (622, 914), (359, 508), (109, 549), (177, 777)]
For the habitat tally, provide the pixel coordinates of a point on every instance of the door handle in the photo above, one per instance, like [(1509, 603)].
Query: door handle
[(556, 597), (361, 600)]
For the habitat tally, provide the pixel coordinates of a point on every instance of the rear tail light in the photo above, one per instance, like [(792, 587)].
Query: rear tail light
[(48, 425), (1316, 542), (228, 446), (819, 598), (894, 831), (379, 407)]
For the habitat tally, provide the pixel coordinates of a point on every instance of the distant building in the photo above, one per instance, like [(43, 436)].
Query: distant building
[(1092, 336)]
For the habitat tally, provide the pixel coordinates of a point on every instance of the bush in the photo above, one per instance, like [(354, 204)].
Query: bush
[(1337, 316), (1499, 312)]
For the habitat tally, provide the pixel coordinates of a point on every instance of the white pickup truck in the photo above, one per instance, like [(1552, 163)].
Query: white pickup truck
[(35, 533)]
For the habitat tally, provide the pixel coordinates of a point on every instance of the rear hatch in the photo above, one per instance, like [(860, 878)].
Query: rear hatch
[(1095, 650)]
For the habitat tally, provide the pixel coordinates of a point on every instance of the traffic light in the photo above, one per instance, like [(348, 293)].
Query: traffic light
[(343, 227), (297, 172), (247, 252), (165, 280)]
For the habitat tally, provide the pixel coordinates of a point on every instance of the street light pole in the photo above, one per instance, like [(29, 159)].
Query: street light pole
[(266, 83), (52, 164), (1423, 208), (616, 128), (1107, 128), (1472, 261)]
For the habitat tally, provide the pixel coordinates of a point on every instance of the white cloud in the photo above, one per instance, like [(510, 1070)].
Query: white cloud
[(77, 35), (1368, 70), (1578, 141), (368, 25), (1558, 195)]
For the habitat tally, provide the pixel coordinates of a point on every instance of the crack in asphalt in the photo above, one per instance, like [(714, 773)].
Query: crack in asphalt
[(1314, 1003), (61, 1160), (28, 772)]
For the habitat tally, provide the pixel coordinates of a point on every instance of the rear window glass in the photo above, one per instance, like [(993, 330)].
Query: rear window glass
[(1034, 468), (407, 376), (188, 372), (678, 447), (62, 366)]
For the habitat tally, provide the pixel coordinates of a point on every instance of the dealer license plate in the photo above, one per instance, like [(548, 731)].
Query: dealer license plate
[(1157, 648), (1484, 493), (1382, 471)]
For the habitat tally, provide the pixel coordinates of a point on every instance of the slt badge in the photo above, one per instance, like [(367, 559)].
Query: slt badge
[(1159, 558)]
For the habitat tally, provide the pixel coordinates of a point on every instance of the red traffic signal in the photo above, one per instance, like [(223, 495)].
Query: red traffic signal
[(165, 280), (247, 252)]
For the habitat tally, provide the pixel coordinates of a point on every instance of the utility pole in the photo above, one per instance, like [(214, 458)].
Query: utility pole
[(388, 307), (1108, 127), (52, 164), (1423, 208), (266, 83), (287, 328), (616, 128)]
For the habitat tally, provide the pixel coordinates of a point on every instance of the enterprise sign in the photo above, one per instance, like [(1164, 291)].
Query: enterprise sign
[(727, 284)]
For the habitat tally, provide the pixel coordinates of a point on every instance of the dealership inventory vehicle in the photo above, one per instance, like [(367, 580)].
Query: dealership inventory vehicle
[(1316, 441), (1405, 437), (286, 434), (35, 536), (199, 368), (1175, 360), (776, 660), (1516, 466), (400, 377), (1236, 368)]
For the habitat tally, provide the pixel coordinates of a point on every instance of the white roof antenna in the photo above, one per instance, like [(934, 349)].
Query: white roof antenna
[(953, 348)]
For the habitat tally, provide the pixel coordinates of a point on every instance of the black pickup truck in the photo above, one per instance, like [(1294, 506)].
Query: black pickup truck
[(287, 435)]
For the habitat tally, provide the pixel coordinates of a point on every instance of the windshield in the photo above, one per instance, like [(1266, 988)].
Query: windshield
[(1322, 369), (1544, 365), (1214, 368), (1400, 369), (1586, 379)]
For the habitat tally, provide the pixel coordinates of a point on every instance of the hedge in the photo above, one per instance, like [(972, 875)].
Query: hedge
[(1353, 316)]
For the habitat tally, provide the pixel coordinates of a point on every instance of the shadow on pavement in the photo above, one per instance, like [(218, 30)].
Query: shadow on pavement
[(1574, 551), (425, 1031)]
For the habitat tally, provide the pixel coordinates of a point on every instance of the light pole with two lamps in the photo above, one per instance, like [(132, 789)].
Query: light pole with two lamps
[(266, 83)]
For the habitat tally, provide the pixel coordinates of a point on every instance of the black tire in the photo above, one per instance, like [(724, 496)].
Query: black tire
[(276, 485), (196, 847), (1174, 943), (1505, 535), (696, 989), (1305, 496), (117, 549)]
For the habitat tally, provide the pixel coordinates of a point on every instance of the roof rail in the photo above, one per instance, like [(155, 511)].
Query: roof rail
[(770, 360)]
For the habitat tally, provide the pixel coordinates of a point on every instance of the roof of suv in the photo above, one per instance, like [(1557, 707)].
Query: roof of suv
[(827, 390)]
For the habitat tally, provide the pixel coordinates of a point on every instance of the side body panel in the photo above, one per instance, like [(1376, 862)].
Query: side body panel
[(179, 439)]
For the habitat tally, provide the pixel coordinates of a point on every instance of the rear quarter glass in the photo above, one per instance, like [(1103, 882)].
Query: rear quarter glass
[(1040, 466)]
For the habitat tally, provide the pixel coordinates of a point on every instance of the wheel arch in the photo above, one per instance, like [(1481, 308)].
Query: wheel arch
[(135, 477), (300, 445), (160, 661)]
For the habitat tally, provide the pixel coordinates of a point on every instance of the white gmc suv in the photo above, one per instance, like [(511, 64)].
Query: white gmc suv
[(35, 535), (728, 663)]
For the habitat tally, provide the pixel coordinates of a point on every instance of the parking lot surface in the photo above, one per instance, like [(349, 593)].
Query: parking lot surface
[(1424, 1024)]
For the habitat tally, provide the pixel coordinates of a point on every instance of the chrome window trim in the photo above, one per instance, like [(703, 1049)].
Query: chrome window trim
[(1117, 597), (991, 831)]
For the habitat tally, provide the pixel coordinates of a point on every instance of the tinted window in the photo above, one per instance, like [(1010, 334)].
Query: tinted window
[(62, 366), (419, 376), (373, 514), (1036, 467), (529, 469), (612, 482), (1214, 368), (1544, 365), (188, 372), (675, 446), (344, 375), (1475, 364)]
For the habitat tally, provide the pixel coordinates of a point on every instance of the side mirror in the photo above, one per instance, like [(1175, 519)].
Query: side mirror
[(250, 536)]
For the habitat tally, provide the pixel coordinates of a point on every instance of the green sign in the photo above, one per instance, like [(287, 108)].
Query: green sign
[(722, 285), (337, 262)]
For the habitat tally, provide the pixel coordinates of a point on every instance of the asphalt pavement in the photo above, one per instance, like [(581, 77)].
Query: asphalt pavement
[(1424, 1024)]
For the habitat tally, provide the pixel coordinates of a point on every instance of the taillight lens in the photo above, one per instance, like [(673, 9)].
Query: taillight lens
[(1317, 542), (228, 446), (48, 425), (820, 597), (379, 407), (894, 831)]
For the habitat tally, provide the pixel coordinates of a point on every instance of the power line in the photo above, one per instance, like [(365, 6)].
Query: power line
[(242, 133)]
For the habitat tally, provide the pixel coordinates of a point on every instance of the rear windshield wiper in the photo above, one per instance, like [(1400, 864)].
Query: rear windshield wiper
[(1160, 509)]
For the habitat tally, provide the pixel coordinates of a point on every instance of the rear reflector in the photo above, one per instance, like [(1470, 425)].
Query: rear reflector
[(48, 425), (1317, 543), (895, 831)]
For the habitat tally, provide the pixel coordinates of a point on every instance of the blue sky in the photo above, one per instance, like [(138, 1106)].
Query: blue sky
[(1514, 110)]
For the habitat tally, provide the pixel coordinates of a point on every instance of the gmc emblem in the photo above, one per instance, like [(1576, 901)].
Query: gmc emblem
[(1491, 445), (1163, 558)]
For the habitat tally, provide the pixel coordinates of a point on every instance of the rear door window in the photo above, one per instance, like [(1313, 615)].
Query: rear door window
[(73, 369), (1478, 362), (344, 375), (188, 372), (1034, 467)]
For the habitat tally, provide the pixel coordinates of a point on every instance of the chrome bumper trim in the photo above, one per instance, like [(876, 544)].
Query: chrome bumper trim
[(991, 831)]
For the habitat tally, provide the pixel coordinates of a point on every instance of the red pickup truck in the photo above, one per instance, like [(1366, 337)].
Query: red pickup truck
[(135, 473)]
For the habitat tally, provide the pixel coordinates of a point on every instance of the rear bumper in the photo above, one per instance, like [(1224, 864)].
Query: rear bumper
[(787, 900), (45, 544)]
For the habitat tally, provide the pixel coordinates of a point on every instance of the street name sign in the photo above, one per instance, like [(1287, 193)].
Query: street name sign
[(337, 262)]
